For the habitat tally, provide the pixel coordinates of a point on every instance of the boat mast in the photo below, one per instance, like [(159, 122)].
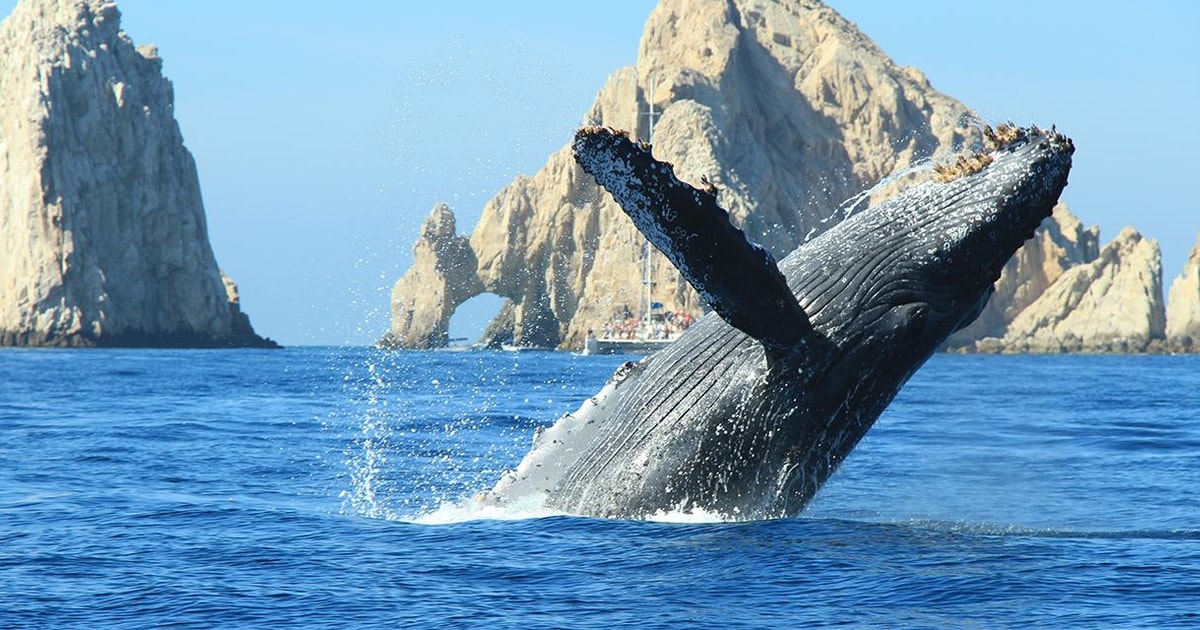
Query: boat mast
[(651, 115), (647, 259)]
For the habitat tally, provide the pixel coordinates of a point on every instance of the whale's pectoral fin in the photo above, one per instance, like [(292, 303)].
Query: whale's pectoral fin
[(737, 278)]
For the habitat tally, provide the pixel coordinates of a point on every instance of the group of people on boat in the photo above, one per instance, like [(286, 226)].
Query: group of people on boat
[(666, 325)]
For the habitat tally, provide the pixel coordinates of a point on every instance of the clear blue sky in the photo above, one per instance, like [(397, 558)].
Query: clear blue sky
[(325, 132)]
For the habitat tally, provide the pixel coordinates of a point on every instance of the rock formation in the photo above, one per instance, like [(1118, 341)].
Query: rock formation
[(103, 238), (443, 272), (782, 105), (1062, 242), (1183, 305), (1112, 304)]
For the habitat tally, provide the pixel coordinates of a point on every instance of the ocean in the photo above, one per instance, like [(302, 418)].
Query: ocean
[(326, 488)]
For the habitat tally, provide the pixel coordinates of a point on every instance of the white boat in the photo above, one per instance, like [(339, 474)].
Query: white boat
[(513, 348), (594, 346), (651, 331)]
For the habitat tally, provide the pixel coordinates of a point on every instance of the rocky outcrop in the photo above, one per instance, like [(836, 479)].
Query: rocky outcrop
[(1112, 304), (782, 105), (1060, 243), (502, 328), (1183, 305), (102, 230), (441, 278), (239, 326)]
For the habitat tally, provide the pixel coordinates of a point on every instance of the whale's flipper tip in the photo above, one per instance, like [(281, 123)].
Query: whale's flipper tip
[(736, 277)]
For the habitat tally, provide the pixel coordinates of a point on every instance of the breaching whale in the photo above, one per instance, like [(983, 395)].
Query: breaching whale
[(749, 412)]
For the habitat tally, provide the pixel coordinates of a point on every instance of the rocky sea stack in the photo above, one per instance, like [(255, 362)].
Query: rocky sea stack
[(103, 239), (1110, 303), (1183, 306)]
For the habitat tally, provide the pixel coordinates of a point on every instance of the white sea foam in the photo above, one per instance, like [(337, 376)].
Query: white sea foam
[(472, 509), (532, 507), (696, 515)]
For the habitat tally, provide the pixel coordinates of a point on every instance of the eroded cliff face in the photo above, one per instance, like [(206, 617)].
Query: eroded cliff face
[(783, 106), (103, 238), (1183, 305), (441, 278), (1112, 304)]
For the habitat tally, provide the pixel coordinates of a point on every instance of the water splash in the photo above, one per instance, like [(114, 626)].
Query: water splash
[(696, 516), (472, 509), (860, 201), (914, 172), (367, 457), (421, 432)]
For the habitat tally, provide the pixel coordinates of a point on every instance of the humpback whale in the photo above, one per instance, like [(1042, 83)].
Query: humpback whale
[(751, 410)]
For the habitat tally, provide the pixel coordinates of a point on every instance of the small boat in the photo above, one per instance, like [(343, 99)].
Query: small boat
[(650, 331), (514, 348), (594, 346)]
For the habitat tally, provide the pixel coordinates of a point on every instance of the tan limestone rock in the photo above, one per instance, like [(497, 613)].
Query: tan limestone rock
[(443, 272), (1183, 304), (103, 238), (1112, 304)]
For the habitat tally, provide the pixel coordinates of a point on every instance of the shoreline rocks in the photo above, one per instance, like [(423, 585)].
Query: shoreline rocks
[(1112, 304), (1183, 305)]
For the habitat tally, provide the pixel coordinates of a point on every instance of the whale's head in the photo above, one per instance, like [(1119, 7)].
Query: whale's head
[(922, 264)]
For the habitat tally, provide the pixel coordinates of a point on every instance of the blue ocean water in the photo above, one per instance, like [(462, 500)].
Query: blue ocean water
[(320, 487)]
